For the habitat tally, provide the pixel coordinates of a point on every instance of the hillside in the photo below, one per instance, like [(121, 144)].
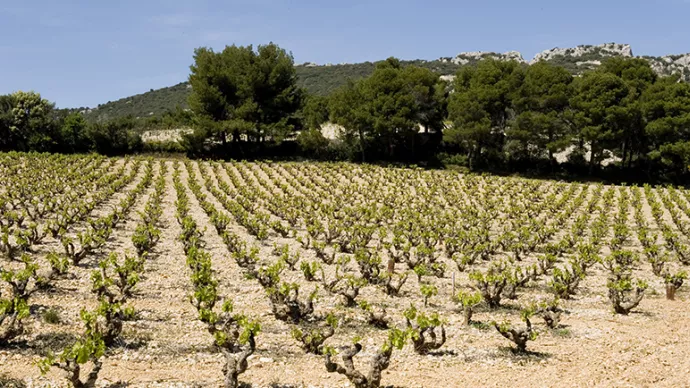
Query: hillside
[(152, 103), (316, 79), (323, 79)]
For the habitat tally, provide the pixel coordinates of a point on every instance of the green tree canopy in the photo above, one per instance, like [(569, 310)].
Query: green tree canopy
[(481, 107), (384, 111), (638, 75), (239, 91), (26, 122), (666, 109), (115, 137), (601, 113), (6, 121), (73, 135), (541, 127), (315, 111)]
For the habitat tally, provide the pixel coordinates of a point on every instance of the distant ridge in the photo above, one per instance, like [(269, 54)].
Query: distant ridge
[(323, 79)]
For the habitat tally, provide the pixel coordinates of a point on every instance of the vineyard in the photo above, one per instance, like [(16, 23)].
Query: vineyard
[(153, 272)]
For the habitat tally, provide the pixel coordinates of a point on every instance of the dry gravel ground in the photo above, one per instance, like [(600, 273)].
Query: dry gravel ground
[(168, 347)]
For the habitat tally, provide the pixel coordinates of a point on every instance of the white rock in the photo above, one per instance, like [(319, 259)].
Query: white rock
[(605, 50), (466, 57)]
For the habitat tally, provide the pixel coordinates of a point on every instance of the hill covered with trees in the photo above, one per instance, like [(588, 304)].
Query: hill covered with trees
[(322, 80), (496, 112)]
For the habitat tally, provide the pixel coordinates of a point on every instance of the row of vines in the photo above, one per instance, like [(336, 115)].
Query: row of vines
[(340, 252)]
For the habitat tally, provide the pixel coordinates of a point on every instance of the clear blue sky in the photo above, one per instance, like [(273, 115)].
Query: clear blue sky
[(86, 52)]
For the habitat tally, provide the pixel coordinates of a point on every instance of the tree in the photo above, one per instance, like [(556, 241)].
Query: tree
[(636, 72), (390, 105), (347, 108), (541, 127), (384, 111), (430, 97), (481, 106), (666, 109), (638, 75), (73, 135), (239, 91), (275, 92), (26, 122), (600, 103), (6, 121), (313, 143), (315, 112), (115, 137)]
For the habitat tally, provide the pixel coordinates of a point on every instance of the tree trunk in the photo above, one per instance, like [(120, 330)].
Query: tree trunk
[(592, 159), (467, 315), (361, 144), (624, 147), (391, 266), (670, 292)]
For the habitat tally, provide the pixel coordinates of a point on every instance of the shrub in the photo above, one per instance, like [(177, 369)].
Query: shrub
[(310, 270), (112, 301), (422, 329), (313, 144), (620, 259), (459, 160), (286, 305), (517, 278), (396, 340), (551, 312), (625, 296), (519, 336), (377, 315), (269, 277), (369, 265), (14, 308), (673, 283), (467, 302), (59, 264), (51, 316), (89, 348), (491, 285), (165, 147), (145, 237), (115, 137), (312, 338), (565, 281), (393, 282), (427, 291)]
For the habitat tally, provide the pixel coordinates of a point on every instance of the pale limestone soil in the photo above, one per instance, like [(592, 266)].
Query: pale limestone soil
[(647, 348), (51, 244), (42, 223), (41, 220), (72, 293)]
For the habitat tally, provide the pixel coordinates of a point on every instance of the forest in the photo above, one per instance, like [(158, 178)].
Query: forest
[(620, 119)]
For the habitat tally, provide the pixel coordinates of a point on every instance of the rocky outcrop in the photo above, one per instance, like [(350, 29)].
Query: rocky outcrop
[(587, 57), (447, 77), (471, 57), (575, 59), (672, 64), (580, 59), (585, 53)]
